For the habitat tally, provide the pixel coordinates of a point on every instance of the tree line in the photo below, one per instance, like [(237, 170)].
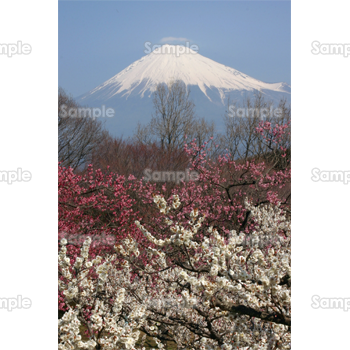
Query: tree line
[(160, 143)]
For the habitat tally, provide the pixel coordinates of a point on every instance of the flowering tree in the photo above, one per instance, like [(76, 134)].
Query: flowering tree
[(199, 290), (220, 279), (95, 204), (224, 183)]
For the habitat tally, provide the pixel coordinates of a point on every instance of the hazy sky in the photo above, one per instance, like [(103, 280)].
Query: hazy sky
[(97, 39)]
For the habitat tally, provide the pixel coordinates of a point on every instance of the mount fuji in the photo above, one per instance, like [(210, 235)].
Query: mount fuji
[(211, 84)]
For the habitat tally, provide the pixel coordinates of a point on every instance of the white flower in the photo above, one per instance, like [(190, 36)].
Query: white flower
[(121, 303)]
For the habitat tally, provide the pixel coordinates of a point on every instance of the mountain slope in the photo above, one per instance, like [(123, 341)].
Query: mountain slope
[(211, 83)]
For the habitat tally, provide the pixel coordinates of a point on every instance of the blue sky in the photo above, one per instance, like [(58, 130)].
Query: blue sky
[(97, 39)]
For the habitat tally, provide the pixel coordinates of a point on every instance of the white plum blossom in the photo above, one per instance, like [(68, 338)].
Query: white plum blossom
[(215, 291)]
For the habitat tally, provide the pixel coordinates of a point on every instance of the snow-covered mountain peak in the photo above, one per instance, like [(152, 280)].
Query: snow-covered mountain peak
[(212, 85), (172, 62)]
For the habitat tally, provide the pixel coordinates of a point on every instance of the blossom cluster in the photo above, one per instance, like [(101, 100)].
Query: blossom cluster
[(107, 327), (105, 205), (199, 291)]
